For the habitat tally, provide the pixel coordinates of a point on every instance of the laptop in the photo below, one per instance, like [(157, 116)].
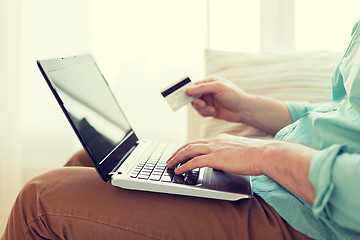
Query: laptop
[(118, 154)]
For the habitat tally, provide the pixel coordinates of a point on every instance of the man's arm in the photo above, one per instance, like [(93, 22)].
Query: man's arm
[(286, 163), (289, 164), (335, 176), (267, 114), (223, 100)]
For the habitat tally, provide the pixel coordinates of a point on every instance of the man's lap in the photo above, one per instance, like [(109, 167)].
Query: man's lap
[(74, 203)]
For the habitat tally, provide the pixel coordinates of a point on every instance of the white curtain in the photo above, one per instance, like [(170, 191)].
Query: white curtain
[(10, 133)]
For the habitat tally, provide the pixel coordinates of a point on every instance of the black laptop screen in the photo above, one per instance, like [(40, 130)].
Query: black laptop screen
[(92, 108)]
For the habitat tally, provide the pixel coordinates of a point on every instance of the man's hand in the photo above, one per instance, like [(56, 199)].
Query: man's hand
[(228, 153), (220, 99)]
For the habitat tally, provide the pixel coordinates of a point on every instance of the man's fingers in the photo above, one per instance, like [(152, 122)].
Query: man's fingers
[(198, 103), (204, 88), (203, 109), (206, 80), (184, 146), (186, 153), (196, 162)]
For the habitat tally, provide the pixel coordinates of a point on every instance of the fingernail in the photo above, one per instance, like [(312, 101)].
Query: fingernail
[(189, 89)]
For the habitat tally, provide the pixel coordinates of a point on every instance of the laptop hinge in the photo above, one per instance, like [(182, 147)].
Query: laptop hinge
[(113, 172)]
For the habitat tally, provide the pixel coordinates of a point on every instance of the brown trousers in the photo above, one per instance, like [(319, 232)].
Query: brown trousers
[(74, 203)]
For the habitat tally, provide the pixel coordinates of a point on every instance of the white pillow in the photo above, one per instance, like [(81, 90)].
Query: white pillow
[(291, 76)]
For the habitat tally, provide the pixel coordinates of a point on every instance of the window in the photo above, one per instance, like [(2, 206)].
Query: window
[(324, 24), (234, 25)]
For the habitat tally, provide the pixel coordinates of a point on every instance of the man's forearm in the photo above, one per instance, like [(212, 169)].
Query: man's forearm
[(267, 114), (288, 164)]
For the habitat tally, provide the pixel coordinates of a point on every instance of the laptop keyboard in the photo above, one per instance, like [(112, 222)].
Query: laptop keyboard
[(153, 167)]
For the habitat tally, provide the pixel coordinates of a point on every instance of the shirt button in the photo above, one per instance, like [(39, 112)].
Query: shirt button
[(344, 60), (342, 102)]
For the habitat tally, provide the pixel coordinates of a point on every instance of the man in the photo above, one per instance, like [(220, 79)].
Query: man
[(305, 179)]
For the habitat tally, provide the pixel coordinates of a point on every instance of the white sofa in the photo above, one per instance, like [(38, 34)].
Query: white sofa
[(299, 76)]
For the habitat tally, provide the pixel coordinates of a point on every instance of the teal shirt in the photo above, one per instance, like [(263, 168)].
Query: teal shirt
[(334, 129)]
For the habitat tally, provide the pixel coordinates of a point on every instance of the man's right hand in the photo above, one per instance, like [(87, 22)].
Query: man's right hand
[(220, 99), (223, 100)]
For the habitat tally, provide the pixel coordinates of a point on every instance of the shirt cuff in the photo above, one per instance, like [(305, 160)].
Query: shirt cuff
[(299, 108), (320, 175)]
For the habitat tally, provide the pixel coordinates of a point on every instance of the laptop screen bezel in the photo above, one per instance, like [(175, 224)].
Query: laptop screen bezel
[(112, 161)]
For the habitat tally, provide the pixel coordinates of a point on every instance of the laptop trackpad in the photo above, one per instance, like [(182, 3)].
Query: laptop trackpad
[(228, 182)]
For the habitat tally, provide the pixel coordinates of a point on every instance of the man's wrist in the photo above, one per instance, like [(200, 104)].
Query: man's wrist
[(288, 164), (270, 154), (246, 114)]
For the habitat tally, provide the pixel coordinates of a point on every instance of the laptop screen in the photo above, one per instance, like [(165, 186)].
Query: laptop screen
[(91, 108)]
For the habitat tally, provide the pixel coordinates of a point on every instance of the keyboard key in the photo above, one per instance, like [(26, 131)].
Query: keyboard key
[(179, 179), (166, 178), (155, 177), (134, 174), (143, 176), (160, 172), (147, 168), (191, 177)]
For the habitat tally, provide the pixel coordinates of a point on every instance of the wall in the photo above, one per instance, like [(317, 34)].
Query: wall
[(142, 47), (10, 134)]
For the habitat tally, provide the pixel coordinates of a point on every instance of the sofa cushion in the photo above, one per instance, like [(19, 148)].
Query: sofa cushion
[(285, 76)]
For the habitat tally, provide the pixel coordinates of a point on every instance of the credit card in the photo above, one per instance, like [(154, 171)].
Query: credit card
[(176, 96)]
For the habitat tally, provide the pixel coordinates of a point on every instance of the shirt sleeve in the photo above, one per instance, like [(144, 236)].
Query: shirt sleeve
[(335, 176), (298, 109)]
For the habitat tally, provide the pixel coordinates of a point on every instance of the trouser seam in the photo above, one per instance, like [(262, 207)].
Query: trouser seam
[(88, 219), (36, 220)]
